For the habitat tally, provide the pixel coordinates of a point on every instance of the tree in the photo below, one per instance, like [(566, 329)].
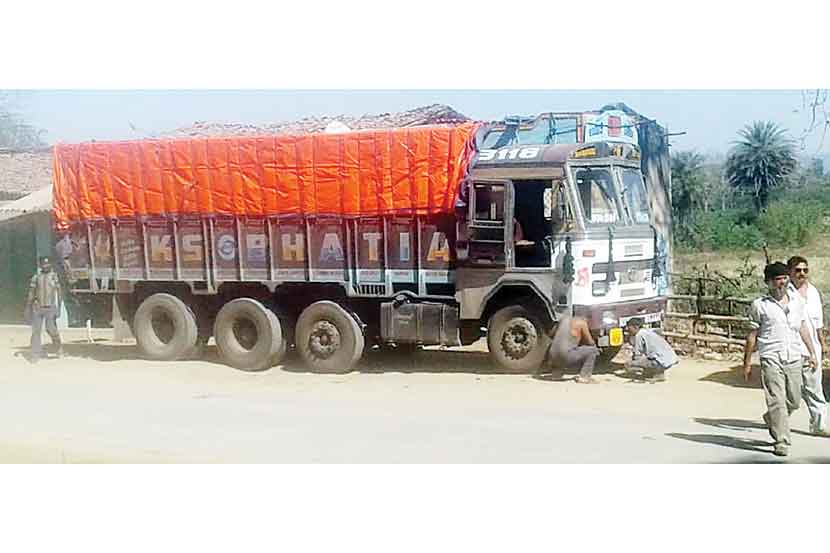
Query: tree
[(762, 159), (15, 133), (687, 185)]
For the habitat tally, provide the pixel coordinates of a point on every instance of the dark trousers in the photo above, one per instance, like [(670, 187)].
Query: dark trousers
[(41, 315), (650, 366), (582, 357)]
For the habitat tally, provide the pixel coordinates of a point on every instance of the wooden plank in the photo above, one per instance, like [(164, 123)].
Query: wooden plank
[(721, 318), (704, 338)]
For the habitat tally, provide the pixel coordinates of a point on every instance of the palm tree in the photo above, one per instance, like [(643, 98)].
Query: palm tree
[(686, 184), (760, 160)]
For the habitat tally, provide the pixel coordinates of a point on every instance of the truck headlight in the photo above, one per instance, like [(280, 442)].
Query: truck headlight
[(609, 319)]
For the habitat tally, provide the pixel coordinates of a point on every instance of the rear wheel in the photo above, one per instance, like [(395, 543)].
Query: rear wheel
[(248, 335), (165, 328), (328, 338), (517, 340)]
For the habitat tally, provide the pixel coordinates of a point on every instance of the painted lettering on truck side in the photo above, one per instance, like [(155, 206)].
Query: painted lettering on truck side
[(291, 248)]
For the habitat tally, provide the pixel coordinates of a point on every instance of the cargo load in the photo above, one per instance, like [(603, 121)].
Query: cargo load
[(407, 171)]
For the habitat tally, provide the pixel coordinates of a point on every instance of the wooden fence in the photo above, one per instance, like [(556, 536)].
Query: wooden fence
[(709, 320)]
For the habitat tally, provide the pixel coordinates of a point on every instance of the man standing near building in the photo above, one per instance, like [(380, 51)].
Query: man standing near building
[(812, 393), (779, 327), (651, 352), (45, 303)]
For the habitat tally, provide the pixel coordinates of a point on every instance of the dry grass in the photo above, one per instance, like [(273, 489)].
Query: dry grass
[(817, 255)]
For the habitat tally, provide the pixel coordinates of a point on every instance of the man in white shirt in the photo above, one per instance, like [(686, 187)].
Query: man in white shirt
[(812, 392), (779, 327)]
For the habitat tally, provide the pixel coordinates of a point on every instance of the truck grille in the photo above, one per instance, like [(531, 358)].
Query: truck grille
[(624, 266), (632, 292)]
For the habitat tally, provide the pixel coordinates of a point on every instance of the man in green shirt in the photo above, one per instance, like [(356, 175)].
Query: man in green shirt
[(45, 303)]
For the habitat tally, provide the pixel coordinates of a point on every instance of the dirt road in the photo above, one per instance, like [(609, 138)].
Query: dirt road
[(102, 404)]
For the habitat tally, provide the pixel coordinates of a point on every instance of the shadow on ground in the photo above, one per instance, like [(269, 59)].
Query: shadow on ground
[(771, 460), (372, 362), (725, 441), (735, 377), (732, 424)]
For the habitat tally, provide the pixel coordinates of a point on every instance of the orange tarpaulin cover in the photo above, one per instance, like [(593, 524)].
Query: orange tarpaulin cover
[(384, 172)]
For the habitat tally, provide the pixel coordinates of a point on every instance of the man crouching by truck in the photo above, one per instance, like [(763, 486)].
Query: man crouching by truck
[(651, 352), (779, 326), (573, 347)]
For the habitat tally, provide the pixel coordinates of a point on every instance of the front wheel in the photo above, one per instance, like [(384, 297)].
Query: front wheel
[(517, 340)]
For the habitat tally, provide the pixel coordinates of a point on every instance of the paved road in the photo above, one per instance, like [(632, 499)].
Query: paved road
[(101, 404)]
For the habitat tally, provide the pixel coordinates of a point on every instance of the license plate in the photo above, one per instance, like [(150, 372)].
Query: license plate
[(615, 336), (647, 318)]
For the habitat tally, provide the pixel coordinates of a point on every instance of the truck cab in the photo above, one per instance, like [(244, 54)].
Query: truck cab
[(571, 224)]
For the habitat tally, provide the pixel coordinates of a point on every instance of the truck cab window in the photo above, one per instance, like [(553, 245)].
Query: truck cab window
[(489, 202), (557, 209), (634, 196), (596, 192)]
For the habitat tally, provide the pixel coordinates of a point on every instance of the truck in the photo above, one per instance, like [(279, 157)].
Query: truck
[(333, 243)]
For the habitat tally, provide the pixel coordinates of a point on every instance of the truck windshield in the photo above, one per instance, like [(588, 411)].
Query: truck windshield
[(542, 130), (634, 195), (596, 193)]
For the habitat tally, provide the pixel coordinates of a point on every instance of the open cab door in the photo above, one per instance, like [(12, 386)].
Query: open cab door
[(487, 227)]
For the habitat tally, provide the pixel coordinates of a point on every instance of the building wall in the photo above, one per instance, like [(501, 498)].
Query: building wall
[(18, 252), (23, 240)]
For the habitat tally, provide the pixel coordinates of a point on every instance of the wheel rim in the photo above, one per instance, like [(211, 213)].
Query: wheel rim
[(164, 327), (324, 340), (519, 338), (246, 333)]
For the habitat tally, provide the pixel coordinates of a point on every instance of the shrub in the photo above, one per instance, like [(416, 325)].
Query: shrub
[(722, 230), (788, 223)]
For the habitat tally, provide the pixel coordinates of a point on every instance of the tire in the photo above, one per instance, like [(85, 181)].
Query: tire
[(248, 335), (165, 328), (517, 340), (328, 339)]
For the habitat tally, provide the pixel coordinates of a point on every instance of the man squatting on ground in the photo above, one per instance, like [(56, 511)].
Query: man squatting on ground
[(573, 347), (778, 323), (811, 390), (651, 352), (44, 301)]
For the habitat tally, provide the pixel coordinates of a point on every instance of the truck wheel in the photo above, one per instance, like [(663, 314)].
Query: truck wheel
[(165, 328), (517, 340), (328, 338), (248, 335)]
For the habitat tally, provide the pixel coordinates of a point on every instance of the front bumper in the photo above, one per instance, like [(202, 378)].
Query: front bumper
[(652, 310)]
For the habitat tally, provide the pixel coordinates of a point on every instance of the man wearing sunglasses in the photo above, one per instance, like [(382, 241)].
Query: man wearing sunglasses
[(779, 328), (801, 287)]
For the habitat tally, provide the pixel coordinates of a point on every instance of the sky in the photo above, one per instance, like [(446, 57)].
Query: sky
[(710, 118)]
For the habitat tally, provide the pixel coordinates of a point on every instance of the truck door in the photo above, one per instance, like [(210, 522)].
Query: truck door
[(487, 225)]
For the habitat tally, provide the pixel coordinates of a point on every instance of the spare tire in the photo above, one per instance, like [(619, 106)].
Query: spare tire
[(329, 339), (165, 328), (248, 335)]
